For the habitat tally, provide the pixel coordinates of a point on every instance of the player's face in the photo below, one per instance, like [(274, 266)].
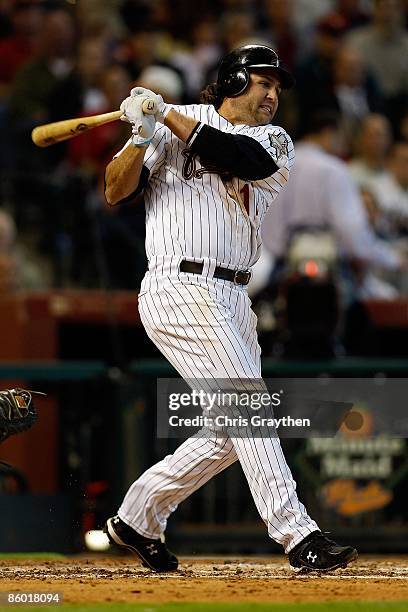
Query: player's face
[(259, 102)]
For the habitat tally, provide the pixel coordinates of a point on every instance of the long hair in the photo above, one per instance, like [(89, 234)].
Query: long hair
[(212, 95)]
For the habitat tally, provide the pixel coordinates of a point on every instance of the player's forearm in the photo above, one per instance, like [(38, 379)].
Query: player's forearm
[(123, 174), (239, 154), (180, 125)]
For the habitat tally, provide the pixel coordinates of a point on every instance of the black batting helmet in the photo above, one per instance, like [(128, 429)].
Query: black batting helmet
[(233, 73)]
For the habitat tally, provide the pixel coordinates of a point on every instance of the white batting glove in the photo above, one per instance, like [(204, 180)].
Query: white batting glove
[(142, 133), (142, 125), (162, 108), (132, 110)]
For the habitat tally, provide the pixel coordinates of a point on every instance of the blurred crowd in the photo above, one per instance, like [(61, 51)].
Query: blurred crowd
[(62, 59)]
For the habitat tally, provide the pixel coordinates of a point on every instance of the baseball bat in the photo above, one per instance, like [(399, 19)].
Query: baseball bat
[(51, 133)]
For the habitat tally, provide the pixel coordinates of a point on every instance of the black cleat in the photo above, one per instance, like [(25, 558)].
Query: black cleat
[(318, 553), (153, 553)]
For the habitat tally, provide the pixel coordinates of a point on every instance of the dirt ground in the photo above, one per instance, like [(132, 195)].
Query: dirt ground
[(122, 579)]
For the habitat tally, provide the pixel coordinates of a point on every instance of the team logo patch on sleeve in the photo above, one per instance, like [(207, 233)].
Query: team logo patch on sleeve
[(279, 148)]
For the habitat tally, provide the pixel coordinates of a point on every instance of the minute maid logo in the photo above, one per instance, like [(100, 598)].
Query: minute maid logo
[(280, 148), (355, 472)]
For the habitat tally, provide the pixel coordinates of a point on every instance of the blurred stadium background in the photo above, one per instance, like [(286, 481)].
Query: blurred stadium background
[(70, 268)]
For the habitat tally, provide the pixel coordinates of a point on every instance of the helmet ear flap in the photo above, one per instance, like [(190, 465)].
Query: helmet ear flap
[(235, 82)]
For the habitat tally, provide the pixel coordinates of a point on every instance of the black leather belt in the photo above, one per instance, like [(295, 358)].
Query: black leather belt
[(239, 277)]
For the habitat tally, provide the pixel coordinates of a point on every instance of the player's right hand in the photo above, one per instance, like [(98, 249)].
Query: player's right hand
[(132, 110)]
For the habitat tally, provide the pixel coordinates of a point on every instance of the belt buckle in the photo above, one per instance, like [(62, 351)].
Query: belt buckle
[(242, 277)]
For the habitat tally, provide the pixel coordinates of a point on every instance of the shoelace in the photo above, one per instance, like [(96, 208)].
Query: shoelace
[(321, 536)]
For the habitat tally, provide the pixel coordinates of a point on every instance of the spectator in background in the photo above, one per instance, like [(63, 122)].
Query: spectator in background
[(88, 153), (279, 30), (314, 76), (308, 12), (86, 226), (375, 215), (403, 127), (391, 189), (204, 52), (236, 27), (351, 12), (79, 93), (20, 267), (36, 81), (135, 14), (149, 40), (8, 262), (139, 50), (373, 281), (98, 19), (35, 186), (372, 145), (383, 45), (34, 85), (355, 94), (321, 193), (139, 44), (21, 44), (280, 27), (171, 23), (163, 81)]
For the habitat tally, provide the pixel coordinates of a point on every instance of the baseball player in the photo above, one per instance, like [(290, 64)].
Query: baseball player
[(209, 172)]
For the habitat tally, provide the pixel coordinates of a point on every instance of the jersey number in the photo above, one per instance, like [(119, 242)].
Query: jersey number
[(245, 194)]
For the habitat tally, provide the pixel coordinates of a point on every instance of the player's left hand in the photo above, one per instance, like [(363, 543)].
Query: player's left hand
[(143, 126), (142, 132), (162, 108)]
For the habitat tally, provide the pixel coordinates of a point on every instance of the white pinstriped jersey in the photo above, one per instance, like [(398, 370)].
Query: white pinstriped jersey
[(194, 212), (204, 326)]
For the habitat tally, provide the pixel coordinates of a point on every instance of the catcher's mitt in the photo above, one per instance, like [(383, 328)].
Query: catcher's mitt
[(17, 411)]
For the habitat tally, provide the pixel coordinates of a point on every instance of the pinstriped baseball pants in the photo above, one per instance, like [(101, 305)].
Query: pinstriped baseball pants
[(206, 329)]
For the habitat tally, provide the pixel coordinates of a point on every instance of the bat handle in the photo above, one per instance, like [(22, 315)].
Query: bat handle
[(149, 106)]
